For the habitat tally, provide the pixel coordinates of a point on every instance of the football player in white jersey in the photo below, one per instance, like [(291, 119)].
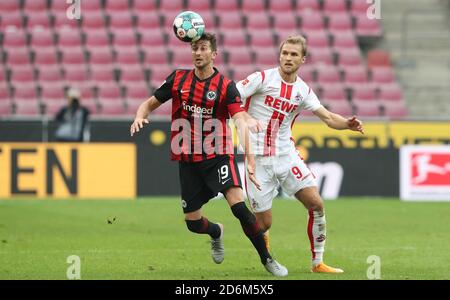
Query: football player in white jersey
[(275, 97)]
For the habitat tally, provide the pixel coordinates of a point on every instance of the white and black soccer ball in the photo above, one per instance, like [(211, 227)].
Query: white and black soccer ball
[(188, 26)]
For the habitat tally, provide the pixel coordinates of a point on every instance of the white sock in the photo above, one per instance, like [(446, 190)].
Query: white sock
[(317, 234)]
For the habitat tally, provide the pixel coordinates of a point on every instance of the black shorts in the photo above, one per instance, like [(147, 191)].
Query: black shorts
[(201, 181)]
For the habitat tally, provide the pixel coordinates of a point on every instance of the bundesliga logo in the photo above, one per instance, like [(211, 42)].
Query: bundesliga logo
[(197, 109)]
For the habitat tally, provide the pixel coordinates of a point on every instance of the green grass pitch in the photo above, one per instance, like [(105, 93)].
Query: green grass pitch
[(149, 240)]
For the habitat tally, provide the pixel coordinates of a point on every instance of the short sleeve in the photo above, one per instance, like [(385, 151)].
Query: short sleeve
[(164, 92), (250, 85), (311, 102), (233, 99)]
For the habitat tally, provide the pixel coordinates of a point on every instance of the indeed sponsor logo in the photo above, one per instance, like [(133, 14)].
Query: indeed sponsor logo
[(197, 109)]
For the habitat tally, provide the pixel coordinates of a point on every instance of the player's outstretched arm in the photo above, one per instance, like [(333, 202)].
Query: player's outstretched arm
[(142, 114), (246, 124), (336, 121)]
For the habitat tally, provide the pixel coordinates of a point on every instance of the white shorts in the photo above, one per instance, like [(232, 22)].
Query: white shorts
[(288, 170)]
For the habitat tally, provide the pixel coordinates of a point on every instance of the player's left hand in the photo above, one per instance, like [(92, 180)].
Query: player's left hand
[(251, 173), (355, 124)]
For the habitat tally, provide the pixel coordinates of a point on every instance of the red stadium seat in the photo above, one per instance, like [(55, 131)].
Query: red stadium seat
[(242, 72), (320, 56), (339, 22), (239, 56), (199, 6), (148, 20), (303, 5), (328, 74), (174, 42), (26, 93), (93, 20), (120, 20), (390, 92), (23, 75), (101, 56), (312, 20), (265, 56), (100, 73), (25, 108), (50, 73), (124, 38), (359, 7), (132, 74), (38, 19), (257, 21), (155, 56), (306, 73), (334, 6), (112, 107), (91, 5), (367, 108), (378, 58), (171, 8), (144, 5), (149, 39), (355, 76), (127, 56), (117, 5), (278, 6), (13, 19), (367, 28), (262, 39), (41, 37), (181, 57), (136, 91), (9, 6), (19, 56), (97, 38), (344, 40), (253, 6), (382, 75), (53, 92), (285, 21), (317, 39), (342, 108), (210, 20), (159, 73), (363, 93), (72, 56), (349, 57), (233, 38), (68, 37), (230, 6), (75, 74), (395, 110), (14, 38), (34, 6), (333, 93), (228, 21)]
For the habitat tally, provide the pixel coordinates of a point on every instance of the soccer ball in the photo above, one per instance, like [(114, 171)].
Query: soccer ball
[(188, 26)]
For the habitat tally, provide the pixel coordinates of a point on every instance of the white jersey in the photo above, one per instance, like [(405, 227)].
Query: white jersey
[(276, 104)]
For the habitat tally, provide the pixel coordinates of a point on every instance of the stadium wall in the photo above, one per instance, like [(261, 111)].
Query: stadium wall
[(345, 164)]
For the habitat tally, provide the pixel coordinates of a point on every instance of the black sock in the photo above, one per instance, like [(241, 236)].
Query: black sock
[(251, 229), (204, 226)]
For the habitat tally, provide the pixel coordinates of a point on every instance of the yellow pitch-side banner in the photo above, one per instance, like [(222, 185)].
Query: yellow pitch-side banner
[(377, 135), (85, 171)]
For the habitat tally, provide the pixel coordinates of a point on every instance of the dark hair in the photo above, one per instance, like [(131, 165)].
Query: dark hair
[(207, 36)]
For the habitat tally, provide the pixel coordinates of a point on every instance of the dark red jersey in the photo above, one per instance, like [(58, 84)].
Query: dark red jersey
[(200, 109)]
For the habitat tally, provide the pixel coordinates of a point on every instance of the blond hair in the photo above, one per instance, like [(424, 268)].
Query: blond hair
[(296, 40)]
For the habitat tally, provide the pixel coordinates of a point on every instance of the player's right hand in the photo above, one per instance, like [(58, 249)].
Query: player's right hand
[(251, 173), (137, 124), (254, 125)]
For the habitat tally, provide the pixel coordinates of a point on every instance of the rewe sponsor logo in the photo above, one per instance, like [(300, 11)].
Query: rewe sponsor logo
[(197, 109), (280, 104)]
